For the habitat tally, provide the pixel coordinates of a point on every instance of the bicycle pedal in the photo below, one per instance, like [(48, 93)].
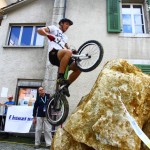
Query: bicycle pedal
[(66, 92)]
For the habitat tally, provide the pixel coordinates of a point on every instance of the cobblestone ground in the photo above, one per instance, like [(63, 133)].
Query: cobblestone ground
[(12, 146), (15, 142)]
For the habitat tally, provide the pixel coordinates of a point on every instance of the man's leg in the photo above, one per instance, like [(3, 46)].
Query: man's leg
[(38, 131), (64, 57), (72, 77), (76, 72), (47, 132)]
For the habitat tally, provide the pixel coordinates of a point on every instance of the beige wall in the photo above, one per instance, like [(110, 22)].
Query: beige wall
[(90, 23), (23, 63), (2, 3), (10, 1)]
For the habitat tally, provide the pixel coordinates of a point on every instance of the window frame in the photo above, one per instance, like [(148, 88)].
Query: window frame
[(20, 35), (132, 18)]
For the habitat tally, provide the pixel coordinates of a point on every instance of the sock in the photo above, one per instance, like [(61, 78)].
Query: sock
[(68, 84), (61, 75)]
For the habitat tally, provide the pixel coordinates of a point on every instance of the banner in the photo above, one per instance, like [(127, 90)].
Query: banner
[(19, 119), (135, 126)]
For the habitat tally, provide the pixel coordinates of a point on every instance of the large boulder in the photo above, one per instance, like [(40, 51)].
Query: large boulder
[(99, 121)]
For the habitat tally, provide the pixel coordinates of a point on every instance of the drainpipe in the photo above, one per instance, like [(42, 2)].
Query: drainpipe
[(65, 4)]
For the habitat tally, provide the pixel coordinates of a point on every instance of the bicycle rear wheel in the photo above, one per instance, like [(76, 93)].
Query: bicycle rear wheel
[(94, 52), (57, 116)]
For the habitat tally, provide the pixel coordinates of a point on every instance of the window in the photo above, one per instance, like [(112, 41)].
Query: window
[(25, 36), (133, 19), (127, 17)]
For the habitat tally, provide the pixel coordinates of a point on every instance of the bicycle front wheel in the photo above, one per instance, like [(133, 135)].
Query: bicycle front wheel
[(94, 52), (56, 116)]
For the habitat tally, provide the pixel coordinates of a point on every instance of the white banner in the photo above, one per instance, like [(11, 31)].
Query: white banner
[(19, 119), (135, 126)]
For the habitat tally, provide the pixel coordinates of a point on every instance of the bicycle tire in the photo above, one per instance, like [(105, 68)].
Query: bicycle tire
[(52, 113), (87, 48)]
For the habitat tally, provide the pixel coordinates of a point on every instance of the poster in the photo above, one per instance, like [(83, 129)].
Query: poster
[(27, 96), (4, 92)]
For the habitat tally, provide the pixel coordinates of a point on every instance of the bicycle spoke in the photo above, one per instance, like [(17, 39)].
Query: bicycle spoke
[(91, 50), (57, 109), (94, 52)]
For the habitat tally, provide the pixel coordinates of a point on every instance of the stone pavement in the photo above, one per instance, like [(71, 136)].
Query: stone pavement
[(15, 142), (17, 146)]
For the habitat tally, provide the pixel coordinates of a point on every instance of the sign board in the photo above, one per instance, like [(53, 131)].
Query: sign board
[(19, 119)]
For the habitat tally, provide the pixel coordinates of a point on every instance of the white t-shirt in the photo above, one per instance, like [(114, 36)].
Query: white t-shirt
[(60, 38)]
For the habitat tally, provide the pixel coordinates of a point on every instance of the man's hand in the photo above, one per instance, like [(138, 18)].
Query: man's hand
[(2, 104), (34, 120), (74, 51), (51, 37)]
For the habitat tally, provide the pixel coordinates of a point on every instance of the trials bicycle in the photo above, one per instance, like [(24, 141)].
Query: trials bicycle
[(89, 56)]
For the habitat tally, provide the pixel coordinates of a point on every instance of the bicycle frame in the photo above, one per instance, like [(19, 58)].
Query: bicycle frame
[(81, 56), (75, 56), (66, 72)]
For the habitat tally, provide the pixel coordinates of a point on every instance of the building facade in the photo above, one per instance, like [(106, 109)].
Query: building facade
[(122, 27)]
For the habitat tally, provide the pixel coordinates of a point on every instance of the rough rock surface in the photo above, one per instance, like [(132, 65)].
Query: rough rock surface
[(99, 121)]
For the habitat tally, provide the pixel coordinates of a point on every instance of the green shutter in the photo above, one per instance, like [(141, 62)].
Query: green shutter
[(144, 68), (113, 16), (148, 1)]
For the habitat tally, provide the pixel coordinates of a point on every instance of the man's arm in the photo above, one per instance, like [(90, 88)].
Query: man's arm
[(1, 104), (35, 111), (43, 31), (66, 45), (35, 108)]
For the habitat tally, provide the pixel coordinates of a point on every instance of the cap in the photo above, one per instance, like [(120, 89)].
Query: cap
[(10, 96), (65, 20)]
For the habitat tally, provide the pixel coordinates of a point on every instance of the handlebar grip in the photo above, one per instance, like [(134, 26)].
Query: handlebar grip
[(74, 51), (51, 37)]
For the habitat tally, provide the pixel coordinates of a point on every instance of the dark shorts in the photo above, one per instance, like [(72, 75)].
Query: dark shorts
[(54, 59)]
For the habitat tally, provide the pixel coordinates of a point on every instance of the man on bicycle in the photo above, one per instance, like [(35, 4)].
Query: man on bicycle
[(60, 54)]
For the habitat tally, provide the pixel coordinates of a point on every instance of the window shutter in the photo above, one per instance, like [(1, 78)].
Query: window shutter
[(148, 1), (113, 16), (144, 68)]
